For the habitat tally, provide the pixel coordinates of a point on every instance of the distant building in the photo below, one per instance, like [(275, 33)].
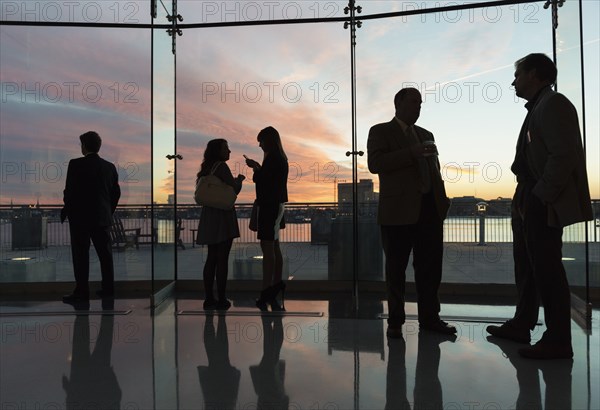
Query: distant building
[(364, 191), (367, 198)]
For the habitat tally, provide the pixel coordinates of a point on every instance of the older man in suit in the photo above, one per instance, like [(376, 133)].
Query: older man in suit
[(412, 207), (91, 195), (552, 192)]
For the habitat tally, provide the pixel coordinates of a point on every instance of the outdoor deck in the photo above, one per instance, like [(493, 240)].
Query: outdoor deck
[(463, 263)]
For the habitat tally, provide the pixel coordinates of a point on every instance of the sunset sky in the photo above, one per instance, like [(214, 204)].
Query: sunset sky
[(232, 82)]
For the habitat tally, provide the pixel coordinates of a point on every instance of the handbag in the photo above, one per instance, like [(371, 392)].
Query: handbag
[(213, 192), (253, 225)]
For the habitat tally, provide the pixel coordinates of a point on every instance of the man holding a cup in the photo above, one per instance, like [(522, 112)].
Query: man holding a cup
[(412, 207)]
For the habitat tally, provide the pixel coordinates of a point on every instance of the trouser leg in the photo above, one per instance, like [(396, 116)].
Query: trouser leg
[(544, 244), (428, 254), (397, 244), (80, 252), (102, 244), (527, 310)]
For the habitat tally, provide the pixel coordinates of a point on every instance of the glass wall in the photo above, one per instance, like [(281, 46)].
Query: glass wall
[(471, 109), (230, 82), (569, 82), (58, 83), (233, 82), (207, 12), (591, 30), (164, 157)]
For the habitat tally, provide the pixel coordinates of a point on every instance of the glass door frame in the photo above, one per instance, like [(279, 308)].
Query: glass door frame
[(162, 289), (581, 304), (352, 21)]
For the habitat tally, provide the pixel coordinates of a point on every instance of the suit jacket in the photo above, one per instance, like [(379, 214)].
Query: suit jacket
[(556, 160), (388, 150), (91, 192)]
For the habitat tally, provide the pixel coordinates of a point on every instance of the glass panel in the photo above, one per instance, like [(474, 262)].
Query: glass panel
[(85, 11), (465, 86), (489, 13), (58, 83), (233, 82), (202, 12), (591, 52), (569, 83), (163, 148)]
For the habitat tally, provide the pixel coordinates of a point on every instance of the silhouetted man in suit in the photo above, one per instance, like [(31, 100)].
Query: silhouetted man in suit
[(552, 192), (91, 195), (412, 207)]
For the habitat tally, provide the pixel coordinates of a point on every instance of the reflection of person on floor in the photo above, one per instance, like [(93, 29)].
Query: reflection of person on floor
[(93, 383), (527, 375), (219, 380), (395, 390), (269, 375), (557, 376), (428, 389)]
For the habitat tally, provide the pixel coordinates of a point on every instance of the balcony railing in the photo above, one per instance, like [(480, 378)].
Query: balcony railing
[(317, 245), (304, 222)]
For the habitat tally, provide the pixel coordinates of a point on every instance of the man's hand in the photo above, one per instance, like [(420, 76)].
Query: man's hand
[(426, 149)]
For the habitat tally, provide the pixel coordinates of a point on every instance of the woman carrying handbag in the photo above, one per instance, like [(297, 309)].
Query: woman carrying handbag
[(217, 227)]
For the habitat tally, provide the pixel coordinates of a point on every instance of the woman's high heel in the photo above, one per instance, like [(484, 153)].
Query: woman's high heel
[(268, 297), (265, 296), (280, 286), (223, 304)]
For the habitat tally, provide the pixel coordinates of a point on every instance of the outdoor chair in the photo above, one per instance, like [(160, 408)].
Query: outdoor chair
[(123, 238)]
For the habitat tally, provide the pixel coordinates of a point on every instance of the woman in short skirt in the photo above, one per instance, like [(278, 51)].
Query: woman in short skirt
[(271, 195), (217, 227)]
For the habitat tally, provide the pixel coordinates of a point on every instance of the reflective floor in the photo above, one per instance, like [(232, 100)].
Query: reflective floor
[(315, 357)]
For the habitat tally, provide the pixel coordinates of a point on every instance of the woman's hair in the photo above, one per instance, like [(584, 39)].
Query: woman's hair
[(212, 154), (271, 141)]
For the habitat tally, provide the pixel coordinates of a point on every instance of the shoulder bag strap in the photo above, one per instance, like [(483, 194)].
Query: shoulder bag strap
[(215, 166)]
